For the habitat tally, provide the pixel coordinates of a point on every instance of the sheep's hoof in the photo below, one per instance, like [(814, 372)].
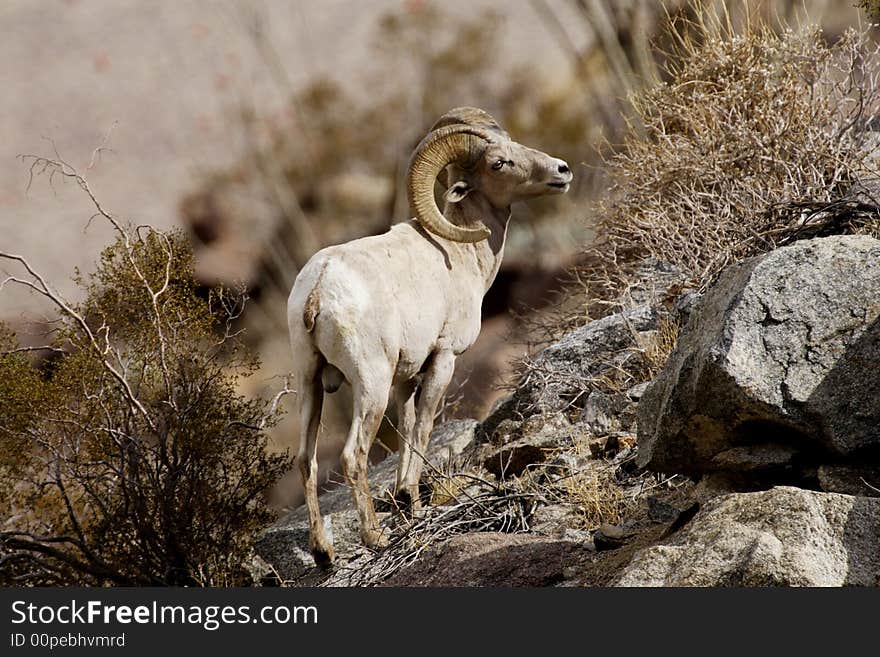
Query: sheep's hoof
[(404, 499), (407, 501), (323, 556)]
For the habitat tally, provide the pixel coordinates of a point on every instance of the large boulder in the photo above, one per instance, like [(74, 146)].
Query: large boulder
[(518, 445), (561, 373), (493, 559), (780, 537), (778, 363)]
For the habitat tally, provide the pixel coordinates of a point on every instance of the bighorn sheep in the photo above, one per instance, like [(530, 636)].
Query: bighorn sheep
[(389, 314)]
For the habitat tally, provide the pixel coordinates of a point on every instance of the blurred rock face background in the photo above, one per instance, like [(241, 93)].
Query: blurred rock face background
[(267, 130)]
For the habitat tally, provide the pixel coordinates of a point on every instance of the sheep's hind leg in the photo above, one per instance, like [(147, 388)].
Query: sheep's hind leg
[(369, 408), (311, 396), (433, 387)]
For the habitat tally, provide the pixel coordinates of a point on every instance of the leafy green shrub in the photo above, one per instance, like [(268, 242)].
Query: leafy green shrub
[(133, 460)]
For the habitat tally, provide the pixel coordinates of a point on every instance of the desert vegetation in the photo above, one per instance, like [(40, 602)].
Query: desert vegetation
[(139, 442), (128, 456), (758, 138)]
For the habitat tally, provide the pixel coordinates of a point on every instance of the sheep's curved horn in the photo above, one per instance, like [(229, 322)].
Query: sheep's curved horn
[(460, 144), (472, 116)]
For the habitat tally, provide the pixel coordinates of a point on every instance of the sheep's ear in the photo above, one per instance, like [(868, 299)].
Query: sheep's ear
[(457, 192)]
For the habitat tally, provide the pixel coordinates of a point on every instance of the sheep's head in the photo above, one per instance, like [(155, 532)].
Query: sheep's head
[(482, 158)]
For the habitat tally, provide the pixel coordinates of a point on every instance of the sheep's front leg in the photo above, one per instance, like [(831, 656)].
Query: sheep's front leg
[(434, 384)]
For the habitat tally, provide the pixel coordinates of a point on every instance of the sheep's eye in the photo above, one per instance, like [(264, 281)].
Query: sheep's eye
[(498, 165)]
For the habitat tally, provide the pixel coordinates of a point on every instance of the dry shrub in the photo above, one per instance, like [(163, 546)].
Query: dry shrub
[(758, 138), (871, 7), (598, 496), (661, 343), (131, 458), (482, 506)]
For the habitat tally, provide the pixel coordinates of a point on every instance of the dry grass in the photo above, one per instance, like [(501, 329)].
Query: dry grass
[(871, 7), (465, 499), (482, 506), (598, 498), (596, 491), (469, 503), (660, 345), (757, 139)]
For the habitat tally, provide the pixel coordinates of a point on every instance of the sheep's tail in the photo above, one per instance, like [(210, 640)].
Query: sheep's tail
[(313, 303)]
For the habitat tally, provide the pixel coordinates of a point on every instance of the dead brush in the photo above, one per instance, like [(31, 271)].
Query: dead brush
[(661, 344), (473, 504), (483, 506), (598, 489), (463, 501), (871, 7), (597, 496), (751, 129)]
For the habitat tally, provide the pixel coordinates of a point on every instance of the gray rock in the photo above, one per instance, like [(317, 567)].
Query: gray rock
[(586, 353), (754, 458), (547, 429), (660, 511), (581, 536), (684, 306), (600, 413), (611, 537), (506, 431), (780, 537), (716, 484), (553, 519), (285, 545), (561, 373), (513, 459), (493, 559), (850, 479), (535, 441), (565, 463), (782, 350), (637, 391)]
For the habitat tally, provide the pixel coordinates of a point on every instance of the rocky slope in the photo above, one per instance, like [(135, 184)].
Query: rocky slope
[(752, 457)]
